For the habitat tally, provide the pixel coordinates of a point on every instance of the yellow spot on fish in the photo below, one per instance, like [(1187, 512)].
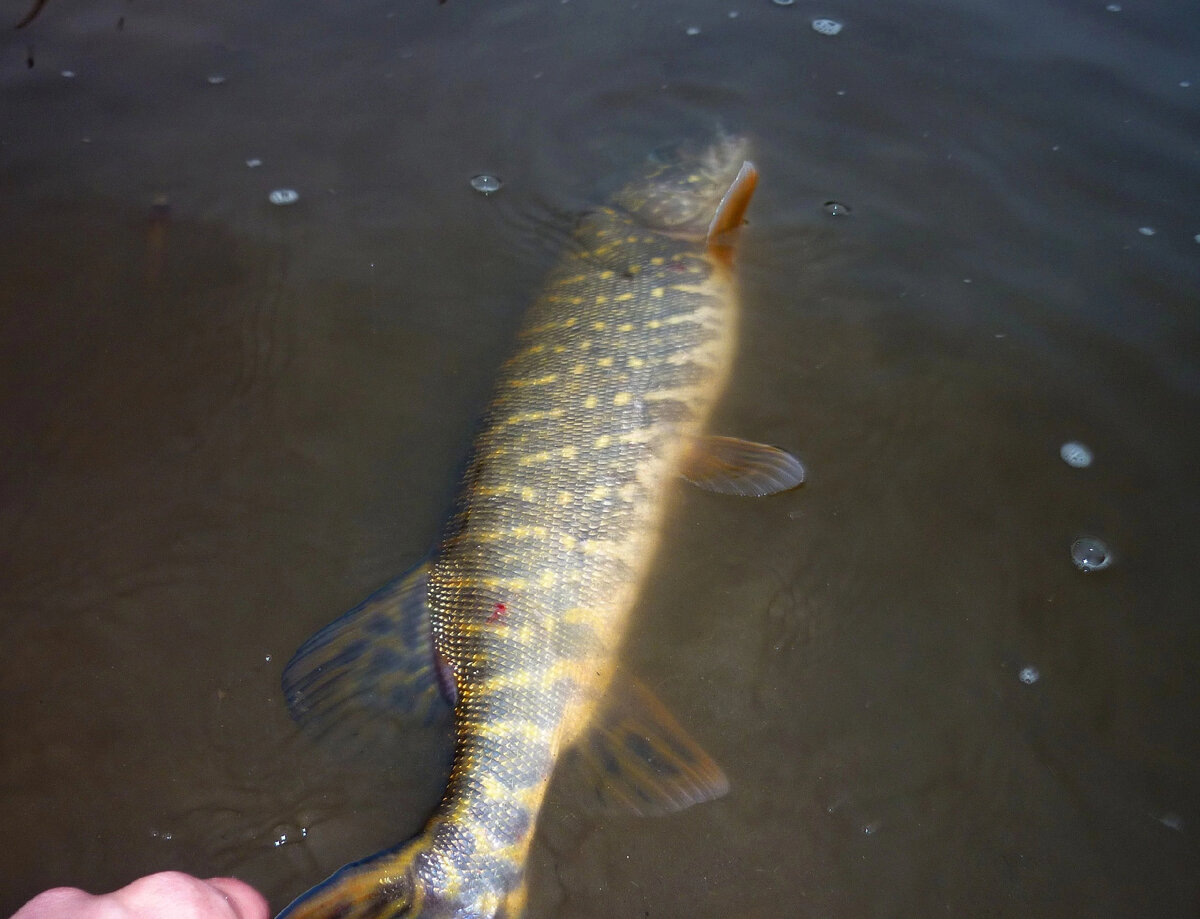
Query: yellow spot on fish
[(568, 452), (589, 402), (653, 324), (657, 260), (547, 579), (527, 494), (622, 398), (625, 327), (570, 320), (624, 297), (602, 441), (606, 274), (493, 788), (631, 239), (599, 493), (533, 381), (636, 362), (604, 362), (578, 369), (598, 326), (533, 459), (576, 615), (657, 292), (564, 498), (492, 491), (568, 541)]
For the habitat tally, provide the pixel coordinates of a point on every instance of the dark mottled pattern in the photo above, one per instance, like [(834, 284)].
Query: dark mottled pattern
[(558, 516)]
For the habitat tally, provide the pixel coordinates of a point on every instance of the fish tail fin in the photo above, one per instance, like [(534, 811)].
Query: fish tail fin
[(382, 886)]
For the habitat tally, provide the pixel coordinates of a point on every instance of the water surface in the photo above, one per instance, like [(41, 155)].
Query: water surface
[(226, 422)]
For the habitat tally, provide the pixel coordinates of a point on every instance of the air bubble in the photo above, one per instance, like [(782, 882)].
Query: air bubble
[(1076, 454), (1090, 554), (486, 184), (693, 30), (1147, 231), (216, 79), (826, 26), (836, 209), (783, 2), (283, 196), (1029, 675)]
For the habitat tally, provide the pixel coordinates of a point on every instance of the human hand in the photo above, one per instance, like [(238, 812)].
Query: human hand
[(169, 895)]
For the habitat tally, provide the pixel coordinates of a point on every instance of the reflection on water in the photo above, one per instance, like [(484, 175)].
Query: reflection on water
[(227, 422)]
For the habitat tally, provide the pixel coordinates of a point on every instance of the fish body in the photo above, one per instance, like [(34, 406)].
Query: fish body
[(559, 515)]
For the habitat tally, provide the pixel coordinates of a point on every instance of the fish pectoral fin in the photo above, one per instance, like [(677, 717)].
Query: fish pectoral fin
[(374, 665), (731, 466), (635, 757), (731, 214)]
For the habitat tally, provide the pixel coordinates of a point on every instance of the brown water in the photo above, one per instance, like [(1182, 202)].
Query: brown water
[(225, 422)]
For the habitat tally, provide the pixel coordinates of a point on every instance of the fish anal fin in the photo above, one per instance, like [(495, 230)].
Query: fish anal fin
[(372, 667), (731, 214), (636, 758), (732, 466)]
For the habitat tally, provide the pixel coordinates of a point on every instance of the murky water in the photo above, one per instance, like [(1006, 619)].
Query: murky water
[(226, 421)]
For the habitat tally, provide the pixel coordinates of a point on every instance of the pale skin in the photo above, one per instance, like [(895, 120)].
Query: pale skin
[(168, 895)]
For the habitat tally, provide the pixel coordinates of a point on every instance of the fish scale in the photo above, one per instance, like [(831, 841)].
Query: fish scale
[(558, 519)]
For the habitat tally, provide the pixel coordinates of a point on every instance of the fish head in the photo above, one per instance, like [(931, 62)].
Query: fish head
[(684, 186)]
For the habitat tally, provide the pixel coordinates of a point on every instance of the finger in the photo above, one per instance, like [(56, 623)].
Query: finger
[(247, 902), (181, 896), (54, 904)]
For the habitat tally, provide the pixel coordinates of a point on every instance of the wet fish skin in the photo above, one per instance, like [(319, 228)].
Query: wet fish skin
[(594, 416)]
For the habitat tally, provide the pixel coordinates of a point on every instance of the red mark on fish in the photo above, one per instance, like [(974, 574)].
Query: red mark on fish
[(499, 611)]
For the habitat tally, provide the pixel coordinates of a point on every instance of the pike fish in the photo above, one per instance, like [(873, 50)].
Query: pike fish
[(514, 623)]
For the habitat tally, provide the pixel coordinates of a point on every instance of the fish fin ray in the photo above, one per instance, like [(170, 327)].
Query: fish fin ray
[(732, 466), (731, 214), (377, 887), (638, 759), (374, 664)]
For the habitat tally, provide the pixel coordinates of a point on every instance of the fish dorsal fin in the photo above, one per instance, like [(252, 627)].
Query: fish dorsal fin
[(731, 213), (636, 758), (732, 466), (373, 666)]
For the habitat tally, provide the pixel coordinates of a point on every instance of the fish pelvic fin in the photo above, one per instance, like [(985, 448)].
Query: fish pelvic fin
[(732, 466), (375, 664), (637, 759)]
